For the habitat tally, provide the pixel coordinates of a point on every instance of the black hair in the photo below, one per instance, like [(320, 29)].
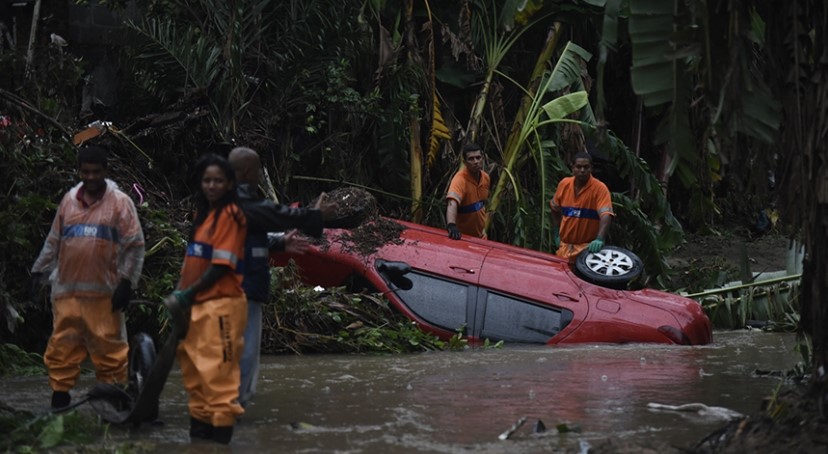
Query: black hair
[(582, 155), (469, 147), (92, 154), (202, 204)]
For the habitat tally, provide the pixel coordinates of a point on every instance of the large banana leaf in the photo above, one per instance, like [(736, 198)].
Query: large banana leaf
[(760, 114), (562, 107), (567, 72), (496, 41), (653, 71), (176, 59), (439, 131)]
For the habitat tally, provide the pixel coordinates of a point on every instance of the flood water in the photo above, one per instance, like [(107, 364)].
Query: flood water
[(453, 402)]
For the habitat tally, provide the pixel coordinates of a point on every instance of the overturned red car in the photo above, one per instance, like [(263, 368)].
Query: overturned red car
[(490, 290)]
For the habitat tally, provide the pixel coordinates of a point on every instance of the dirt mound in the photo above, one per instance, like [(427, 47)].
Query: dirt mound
[(348, 202), (364, 231)]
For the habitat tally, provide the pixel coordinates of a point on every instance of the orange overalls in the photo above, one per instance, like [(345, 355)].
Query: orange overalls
[(209, 354)]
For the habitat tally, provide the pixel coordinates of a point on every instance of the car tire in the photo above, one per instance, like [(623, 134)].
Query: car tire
[(141, 358), (612, 266)]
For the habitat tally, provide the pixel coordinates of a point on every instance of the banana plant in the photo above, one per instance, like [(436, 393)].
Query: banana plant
[(541, 113), (497, 41), (677, 53), (206, 56)]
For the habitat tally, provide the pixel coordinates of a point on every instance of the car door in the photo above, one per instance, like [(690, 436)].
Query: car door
[(526, 296), (443, 278)]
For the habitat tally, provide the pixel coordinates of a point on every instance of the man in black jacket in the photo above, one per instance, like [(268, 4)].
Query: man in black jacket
[(265, 216)]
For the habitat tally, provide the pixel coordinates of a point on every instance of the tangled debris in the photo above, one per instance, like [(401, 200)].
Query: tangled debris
[(791, 422), (371, 233), (299, 319), (348, 201), (369, 237)]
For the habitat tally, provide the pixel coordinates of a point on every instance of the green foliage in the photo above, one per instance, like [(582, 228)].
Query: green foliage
[(698, 276), (644, 220), (261, 67), (17, 362), (653, 75), (633, 229), (777, 303), (536, 130), (458, 342), (165, 247), (24, 432), (707, 88), (36, 172), (303, 319), (488, 343)]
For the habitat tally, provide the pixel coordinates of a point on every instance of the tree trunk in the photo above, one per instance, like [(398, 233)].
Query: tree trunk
[(415, 149), (32, 38), (513, 142)]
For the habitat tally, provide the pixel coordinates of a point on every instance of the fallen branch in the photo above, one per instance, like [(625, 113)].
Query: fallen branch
[(25, 104)]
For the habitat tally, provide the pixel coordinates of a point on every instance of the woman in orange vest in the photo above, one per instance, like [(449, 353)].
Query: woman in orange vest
[(211, 286)]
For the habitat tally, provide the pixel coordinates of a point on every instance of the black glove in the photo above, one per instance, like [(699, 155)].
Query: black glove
[(34, 285), (122, 295), (178, 304), (453, 232)]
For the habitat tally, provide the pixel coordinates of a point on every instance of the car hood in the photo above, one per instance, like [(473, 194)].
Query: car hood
[(688, 313)]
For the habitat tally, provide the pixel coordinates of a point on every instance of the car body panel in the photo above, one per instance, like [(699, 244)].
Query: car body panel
[(541, 279), (490, 290)]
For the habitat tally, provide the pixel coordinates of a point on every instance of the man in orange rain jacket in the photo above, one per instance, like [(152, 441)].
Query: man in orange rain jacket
[(93, 257)]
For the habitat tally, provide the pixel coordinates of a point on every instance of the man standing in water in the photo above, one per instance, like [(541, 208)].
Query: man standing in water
[(264, 216), (467, 195), (93, 257), (581, 211)]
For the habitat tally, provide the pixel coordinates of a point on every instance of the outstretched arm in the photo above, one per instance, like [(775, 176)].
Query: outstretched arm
[(556, 224), (267, 216), (603, 227), (451, 219), (210, 277)]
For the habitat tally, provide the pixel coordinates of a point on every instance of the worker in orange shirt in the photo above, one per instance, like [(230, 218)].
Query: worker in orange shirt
[(467, 196), (581, 211)]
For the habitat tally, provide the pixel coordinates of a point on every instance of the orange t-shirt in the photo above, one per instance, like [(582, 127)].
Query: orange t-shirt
[(471, 196), (581, 214), (222, 244)]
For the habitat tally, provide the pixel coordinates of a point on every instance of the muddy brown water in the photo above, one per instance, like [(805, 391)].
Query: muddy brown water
[(459, 402)]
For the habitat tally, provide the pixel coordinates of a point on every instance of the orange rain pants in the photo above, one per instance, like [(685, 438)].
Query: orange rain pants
[(86, 325), (209, 358)]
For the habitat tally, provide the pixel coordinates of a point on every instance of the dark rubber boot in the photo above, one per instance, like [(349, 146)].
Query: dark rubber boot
[(60, 399), (200, 429), (223, 434)]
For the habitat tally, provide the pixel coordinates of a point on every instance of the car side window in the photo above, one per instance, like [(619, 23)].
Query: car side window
[(514, 320), (437, 301)]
